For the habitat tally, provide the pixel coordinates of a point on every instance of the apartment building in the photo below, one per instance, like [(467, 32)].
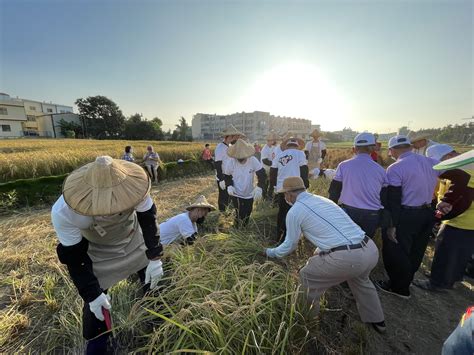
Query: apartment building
[(30, 118), (255, 125)]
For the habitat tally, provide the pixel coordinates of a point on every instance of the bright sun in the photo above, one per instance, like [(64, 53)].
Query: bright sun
[(297, 90)]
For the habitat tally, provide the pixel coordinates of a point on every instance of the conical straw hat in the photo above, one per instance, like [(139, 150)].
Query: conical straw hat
[(201, 202), (315, 134), (241, 150), (464, 161), (298, 143), (106, 187), (232, 131), (272, 136)]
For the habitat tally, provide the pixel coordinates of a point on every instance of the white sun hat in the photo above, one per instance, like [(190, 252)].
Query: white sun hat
[(364, 139), (398, 140), (438, 151)]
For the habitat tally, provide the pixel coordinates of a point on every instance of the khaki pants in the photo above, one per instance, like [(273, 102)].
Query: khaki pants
[(354, 266)]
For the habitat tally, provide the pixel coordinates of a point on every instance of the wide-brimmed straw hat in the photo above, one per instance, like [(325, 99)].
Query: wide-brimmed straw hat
[(415, 137), (232, 131), (241, 150), (294, 142), (201, 202), (292, 183), (105, 187), (315, 134), (272, 136)]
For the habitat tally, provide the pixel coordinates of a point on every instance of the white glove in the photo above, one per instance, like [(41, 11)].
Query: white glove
[(315, 173), (222, 184), (257, 193), (231, 190), (330, 173), (96, 305), (153, 273)]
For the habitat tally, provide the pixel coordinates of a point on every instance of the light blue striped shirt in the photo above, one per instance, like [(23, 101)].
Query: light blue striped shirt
[(321, 221)]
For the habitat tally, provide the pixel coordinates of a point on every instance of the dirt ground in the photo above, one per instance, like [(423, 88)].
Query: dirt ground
[(416, 326)]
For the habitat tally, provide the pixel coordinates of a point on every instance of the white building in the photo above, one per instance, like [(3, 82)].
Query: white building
[(30, 118), (255, 125)]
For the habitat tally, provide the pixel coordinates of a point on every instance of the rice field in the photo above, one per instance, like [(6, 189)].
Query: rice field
[(218, 296), (32, 158)]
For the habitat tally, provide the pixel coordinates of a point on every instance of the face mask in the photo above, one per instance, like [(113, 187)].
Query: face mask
[(200, 220)]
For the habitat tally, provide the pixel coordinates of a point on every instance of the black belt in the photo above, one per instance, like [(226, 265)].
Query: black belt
[(362, 244), (358, 209), (422, 207)]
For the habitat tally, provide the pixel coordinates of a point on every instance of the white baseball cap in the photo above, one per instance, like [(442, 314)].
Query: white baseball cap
[(364, 139), (438, 151), (398, 140)]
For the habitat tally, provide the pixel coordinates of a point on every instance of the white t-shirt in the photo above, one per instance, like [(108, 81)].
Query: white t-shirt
[(268, 152), (243, 176), (177, 228), (288, 163), (276, 152), (68, 224), (147, 158), (221, 155)]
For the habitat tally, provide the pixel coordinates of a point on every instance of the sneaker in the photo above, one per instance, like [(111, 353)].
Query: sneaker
[(384, 286), (379, 327), (426, 285)]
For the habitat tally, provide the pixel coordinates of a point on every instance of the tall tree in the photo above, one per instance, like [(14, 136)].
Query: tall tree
[(137, 127), (182, 131), (101, 116), (65, 126)]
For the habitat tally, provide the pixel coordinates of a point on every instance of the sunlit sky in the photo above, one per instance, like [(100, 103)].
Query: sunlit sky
[(370, 65)]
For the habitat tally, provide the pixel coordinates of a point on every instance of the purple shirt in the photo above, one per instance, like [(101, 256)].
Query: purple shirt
[(415, 174), (362, 179)]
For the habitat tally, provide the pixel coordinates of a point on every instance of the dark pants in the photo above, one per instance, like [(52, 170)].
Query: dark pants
[(454, 248), (223, 200), (283, 209), (210, 162), (243, 209), (367, 220), (402, 259), (93, 329)]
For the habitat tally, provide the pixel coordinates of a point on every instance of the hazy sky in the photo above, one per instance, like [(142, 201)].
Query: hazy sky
[(370, 65)]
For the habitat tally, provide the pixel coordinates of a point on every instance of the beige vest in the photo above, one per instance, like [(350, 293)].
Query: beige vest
[(116, 247), (314, 156)]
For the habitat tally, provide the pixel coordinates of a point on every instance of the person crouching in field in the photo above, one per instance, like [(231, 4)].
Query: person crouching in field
[(343, 251), (183, 228), (152, 161), (128, 155), (105, 221), (240, 180)]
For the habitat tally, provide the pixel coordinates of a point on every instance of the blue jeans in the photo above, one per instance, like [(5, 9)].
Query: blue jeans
[(367, 220), (461, 340)]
